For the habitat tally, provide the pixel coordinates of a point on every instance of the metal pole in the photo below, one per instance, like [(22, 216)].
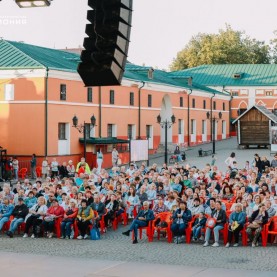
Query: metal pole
[(85, 141), (148, 152), (165, 154), (213, 135)]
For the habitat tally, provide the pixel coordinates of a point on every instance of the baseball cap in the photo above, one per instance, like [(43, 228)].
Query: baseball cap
[(20, 199)]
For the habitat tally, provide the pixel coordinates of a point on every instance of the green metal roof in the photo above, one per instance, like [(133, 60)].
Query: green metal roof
[(101, 141), (22, 55), (223, 75), (135, 72), (11, 57)]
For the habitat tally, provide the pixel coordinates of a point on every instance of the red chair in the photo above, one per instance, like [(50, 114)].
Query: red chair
[(270, 229), (39, 171), (263, 235), (7, 224), (148, 230), (122, 217), (243, 233), (189, 228), (22, 173), (165, 216), (57, 226)]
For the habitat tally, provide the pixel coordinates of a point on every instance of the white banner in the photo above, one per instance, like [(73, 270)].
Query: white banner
[(139, 150)]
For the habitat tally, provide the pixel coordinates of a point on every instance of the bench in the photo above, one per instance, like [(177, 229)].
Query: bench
[(203, 153)]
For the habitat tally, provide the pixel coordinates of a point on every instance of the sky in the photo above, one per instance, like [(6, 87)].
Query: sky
[(160, 28)]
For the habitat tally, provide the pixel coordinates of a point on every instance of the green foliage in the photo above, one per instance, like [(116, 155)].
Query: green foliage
[(226, 47)]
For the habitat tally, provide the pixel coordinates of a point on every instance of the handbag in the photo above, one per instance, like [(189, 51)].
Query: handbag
[(254, 226), (234, 226), (210, 223), (49, 218), (94, 233)]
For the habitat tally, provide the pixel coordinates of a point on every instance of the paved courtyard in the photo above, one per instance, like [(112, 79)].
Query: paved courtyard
[(115, 255), (113, 246), (223, 150)]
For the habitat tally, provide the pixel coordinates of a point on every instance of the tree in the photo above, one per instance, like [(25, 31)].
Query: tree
[(226, 47)]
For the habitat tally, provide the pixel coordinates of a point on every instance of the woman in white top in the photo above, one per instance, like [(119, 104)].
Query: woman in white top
[(45, 168), (15, 168), (132, 201), (99, 159), (230, 160), (35, 217)]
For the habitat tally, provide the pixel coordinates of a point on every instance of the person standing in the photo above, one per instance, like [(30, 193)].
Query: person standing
[(44, 168), (114, 157), (230, 160), (15, 168), (99, 159), (33, 166), (54, 168)]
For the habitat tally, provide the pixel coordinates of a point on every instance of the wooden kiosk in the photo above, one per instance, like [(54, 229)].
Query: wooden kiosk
[(254, 126)]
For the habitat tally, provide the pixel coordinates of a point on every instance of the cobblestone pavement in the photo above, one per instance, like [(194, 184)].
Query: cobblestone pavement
[(116, 247), (223, 150)]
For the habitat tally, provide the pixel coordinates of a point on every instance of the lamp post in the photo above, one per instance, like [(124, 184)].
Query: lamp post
[(82, 129), (166, 125), (213, 120)]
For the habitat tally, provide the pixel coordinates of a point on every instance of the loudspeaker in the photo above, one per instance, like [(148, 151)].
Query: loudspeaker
[(106, 47)]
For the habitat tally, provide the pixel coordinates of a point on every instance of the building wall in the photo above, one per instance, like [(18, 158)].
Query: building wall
[(22, 120)]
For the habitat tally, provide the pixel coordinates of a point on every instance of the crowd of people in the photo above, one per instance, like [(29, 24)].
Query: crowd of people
[(206, 198)]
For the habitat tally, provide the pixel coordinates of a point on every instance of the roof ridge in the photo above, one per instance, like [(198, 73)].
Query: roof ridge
[(19, 50)]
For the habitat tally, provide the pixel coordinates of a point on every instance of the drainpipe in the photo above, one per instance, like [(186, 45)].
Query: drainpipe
[(230, 109), (189, 117), (211, 116), (100, 112), (46, 113), (139, 109)]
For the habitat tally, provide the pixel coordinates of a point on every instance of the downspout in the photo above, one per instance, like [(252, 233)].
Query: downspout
[(100, 112), (211, 116), (189, 117), (230, 109), (139, 109), (46, 113)]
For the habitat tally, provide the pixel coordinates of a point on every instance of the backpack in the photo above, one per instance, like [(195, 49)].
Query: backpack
[(94, 233)]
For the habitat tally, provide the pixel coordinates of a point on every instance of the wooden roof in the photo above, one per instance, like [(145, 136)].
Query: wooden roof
[(263, 110)]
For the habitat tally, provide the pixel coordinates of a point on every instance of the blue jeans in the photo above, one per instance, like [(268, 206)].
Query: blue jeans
[(178, 229), (66, 228), (136, 224), (196, 232), (15, 172), (3, 220), (15, 223), (216, 233)]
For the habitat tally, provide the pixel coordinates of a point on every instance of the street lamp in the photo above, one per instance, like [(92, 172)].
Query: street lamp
[(33, 3), (82, 128), (166, 125), (213, 120)]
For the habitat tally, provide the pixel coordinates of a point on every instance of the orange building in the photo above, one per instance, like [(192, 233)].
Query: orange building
[(41, 91), (247, 84)]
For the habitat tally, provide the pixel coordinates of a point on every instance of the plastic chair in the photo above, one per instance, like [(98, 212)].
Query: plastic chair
[(270, 229), (122, 217), (22, 173), (7, 224), (148, 230), (263, 235), (39, 171), (165, 216)]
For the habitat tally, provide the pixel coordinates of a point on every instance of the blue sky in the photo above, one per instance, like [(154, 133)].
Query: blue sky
[(160, 27)]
